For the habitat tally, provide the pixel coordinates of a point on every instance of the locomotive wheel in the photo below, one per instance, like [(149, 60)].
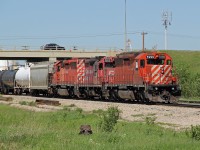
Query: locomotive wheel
[(71, 93), (32, 93), (113, 95), (5, 91), (15, 91), (19, 92)]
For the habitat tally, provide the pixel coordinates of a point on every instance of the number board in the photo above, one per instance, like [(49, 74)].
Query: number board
[(150, 57)]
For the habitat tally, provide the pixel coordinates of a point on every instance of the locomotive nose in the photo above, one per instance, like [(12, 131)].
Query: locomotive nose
[(161, 74)]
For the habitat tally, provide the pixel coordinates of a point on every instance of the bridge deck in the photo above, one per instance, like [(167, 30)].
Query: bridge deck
[(51, 54)]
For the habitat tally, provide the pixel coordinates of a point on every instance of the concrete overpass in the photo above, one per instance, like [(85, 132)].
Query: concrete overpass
[(50, 55)]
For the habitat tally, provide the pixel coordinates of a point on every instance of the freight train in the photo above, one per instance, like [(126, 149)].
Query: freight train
[(135, 76)]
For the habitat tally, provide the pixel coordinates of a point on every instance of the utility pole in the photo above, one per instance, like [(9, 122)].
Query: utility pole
[(143, 34), (125, 29), (167, 19)]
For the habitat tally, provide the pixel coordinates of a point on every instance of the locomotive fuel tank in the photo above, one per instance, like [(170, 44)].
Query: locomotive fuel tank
[(126, 94), (22, 77)]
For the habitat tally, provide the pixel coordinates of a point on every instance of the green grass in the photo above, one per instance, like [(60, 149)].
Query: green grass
[(23, 130), (188, 58), (187, 68)]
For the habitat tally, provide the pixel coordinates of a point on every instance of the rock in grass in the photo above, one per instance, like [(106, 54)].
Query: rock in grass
[(85, 129)]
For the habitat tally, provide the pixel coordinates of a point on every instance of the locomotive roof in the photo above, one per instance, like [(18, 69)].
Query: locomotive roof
[(128, 54), (135, 54)]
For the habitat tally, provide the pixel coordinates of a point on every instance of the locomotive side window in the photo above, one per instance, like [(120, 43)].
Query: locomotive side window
[(100, 66), (66, 66), (58, 68), (87, 65), (127, 62), (73, 65), (136, 65), (63, 65), (169, 62), (119, 62), (95, 66), (142, 63)]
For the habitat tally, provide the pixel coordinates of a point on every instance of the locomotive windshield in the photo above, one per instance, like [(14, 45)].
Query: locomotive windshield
[(155, 61)]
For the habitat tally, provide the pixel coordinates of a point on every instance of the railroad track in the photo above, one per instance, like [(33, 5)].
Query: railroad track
[(56, 102), (190, 104), (181, 104)]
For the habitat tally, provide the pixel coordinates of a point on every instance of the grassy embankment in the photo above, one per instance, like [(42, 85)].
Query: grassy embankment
[(187, 58), (22, 129), (187, 64)]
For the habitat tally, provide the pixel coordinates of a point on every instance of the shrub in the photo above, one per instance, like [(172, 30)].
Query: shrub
[(194, 132), (72, 105), (23, 103), (150, 120), (79, 110), (27, 103), (189, 82), (109, 119), (66, 108), (32, 103)]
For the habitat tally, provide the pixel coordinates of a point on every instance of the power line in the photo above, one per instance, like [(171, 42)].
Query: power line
[(94, 36), (65, 37)]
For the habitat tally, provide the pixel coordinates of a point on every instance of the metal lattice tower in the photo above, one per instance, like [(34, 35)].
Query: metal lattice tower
[(167, 19)]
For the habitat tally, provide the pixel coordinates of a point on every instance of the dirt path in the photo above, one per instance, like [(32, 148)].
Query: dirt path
[(172, 117)]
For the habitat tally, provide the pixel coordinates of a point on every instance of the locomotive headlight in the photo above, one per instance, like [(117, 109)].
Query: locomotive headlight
[(172, 88), (156, 88)]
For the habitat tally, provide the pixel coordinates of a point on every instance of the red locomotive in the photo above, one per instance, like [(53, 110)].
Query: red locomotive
[(141, 76)]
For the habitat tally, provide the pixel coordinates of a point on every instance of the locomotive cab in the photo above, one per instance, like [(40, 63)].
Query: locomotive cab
[(106, 70), (156, 70)]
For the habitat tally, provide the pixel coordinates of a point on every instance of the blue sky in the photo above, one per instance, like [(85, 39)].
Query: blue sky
[(98, 24)]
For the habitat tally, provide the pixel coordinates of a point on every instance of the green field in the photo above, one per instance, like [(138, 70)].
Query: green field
[(187, 58), (187, 69), (23, 130)]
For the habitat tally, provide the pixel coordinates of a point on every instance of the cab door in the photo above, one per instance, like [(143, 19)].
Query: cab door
[(142, 67), (137, 71), (101, 72)]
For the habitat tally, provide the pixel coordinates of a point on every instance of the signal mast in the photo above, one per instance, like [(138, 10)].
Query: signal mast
[(167, 19)]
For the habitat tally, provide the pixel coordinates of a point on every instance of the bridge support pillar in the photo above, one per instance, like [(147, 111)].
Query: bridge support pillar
[(52, 59)]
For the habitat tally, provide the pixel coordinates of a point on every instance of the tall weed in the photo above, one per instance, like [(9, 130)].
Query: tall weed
[(109, 119), (194, 132), (190, 83)]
